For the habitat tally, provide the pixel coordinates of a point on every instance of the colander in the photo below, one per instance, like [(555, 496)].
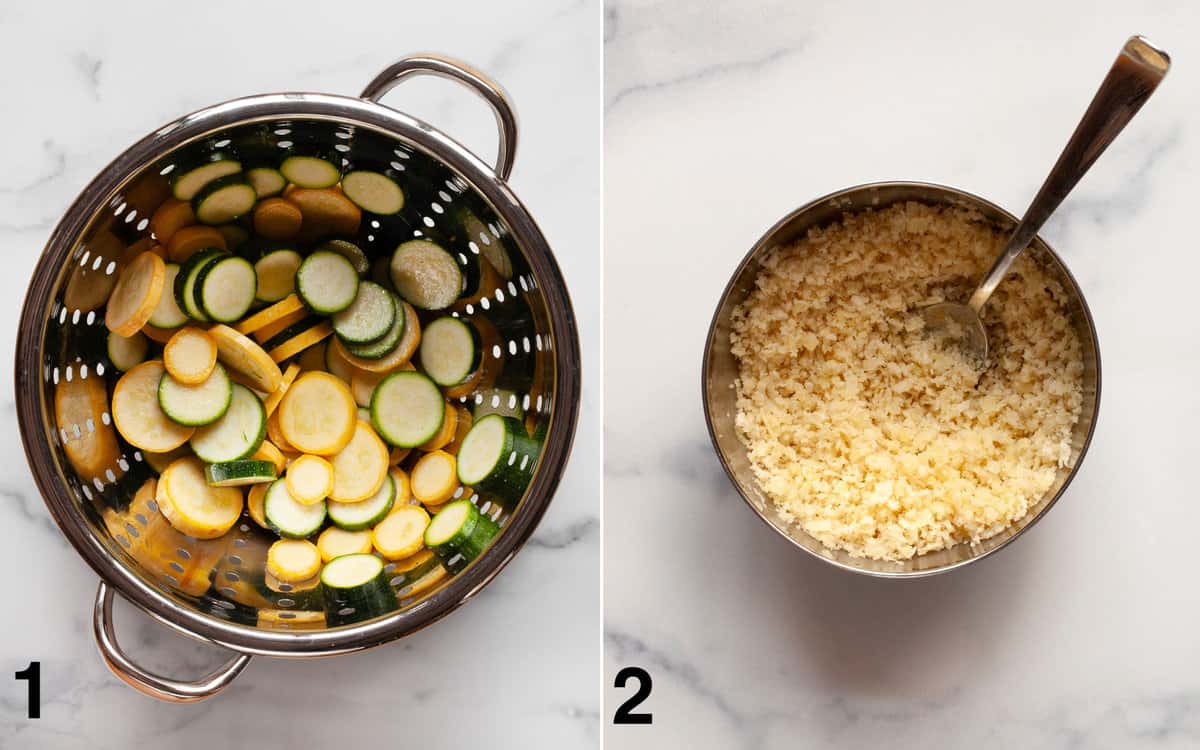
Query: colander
[(211, 590), (720, 369)]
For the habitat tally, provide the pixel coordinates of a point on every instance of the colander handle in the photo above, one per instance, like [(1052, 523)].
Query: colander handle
[(155, 686), (455, 70)]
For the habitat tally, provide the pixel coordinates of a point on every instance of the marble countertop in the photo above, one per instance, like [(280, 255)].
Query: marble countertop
[(83, 81), (720, 119)]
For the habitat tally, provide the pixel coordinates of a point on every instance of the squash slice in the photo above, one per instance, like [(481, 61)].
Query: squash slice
[(247, 357), (359, 468), (137, 415), (193, 506), (136, 295), (317, 415)]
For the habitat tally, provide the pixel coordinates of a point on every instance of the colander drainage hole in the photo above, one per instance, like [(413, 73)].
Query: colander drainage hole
[(234, 559), (344, 611), (226, 591), (176, 567), (232, 577), (286, 603), (183, 554)]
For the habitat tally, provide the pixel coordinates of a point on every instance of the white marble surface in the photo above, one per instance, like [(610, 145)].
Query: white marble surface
[(722, 117), (84, 80)]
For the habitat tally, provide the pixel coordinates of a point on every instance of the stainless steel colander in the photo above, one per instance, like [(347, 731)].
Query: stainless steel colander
[(212, 590)]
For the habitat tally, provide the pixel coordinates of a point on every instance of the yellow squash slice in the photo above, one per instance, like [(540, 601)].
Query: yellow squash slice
[(443, 436), (335, 542), (286, 306), (190, 356), (402, 533), (317, 415), (241, 354), (136, 295), (309, 479), (293, 560), (434, 478), (302, 341), (137, 415), (89, 442), (289, 376), (359, 468), (268, 452), (194, 507)]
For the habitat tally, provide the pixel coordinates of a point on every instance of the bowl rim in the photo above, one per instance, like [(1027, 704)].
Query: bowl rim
[(752, 256), (33, 415)]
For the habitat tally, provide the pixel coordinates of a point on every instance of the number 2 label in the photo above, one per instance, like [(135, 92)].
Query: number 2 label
[(625, 713)]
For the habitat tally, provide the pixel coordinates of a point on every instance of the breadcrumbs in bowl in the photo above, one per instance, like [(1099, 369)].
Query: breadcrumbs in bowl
[(875, 439)]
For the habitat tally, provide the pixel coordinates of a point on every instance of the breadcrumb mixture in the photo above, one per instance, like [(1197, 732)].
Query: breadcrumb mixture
[(874, 437)]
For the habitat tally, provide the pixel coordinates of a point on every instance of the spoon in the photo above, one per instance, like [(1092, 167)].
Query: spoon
[(1133, 77)]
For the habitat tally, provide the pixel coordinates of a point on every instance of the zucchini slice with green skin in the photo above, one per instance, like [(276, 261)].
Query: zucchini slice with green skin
[(185, 282), (350, 251), (266, 181), (224, 199), (426, 275), (189, 181), (373, 192), (310, 171), (497, 456), (327, 282), (459, 533), (236, 435), (225, 288), (355, 588), (390, 340), (497, 401), (365, 514), (369, 317), (288, 517), (450, 350), (167, 315), (407, 408), (238, 473), (276, 273), (127, 352), (196, 405)]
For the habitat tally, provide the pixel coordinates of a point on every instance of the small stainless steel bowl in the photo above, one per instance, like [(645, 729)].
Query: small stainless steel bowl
[(720, 371)]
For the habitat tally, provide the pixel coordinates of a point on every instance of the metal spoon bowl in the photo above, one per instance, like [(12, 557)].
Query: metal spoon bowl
[(1133, 77)]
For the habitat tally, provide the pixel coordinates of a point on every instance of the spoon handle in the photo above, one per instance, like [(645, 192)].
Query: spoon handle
[(1129, 83)]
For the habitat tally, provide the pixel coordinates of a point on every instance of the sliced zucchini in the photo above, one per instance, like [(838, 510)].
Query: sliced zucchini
[(238, 473), (391, 339), (498, 456), (196, 405), (366, 513), (168, 315), (289, 518), (459, 533), (266, 181), (369, 317), (395, 359), (402, 533), (327, 282), (186, 183), (350, 252), (224, 199), (185, 281), (407, 408), (434, 478), (310, 172), (268, 452), (293, 560), (374, 192), (276, 273), (225, 288), (449, 350), (335, 542), (426, 275), (355, 588), (309, 479), (236, 435), (318, 414), (298, 338), (127, 352)]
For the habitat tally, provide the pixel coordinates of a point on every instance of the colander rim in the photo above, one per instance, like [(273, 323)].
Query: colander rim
[(431, 141)]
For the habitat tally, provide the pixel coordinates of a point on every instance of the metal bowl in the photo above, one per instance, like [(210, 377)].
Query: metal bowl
[(213, 590), (720, 370)]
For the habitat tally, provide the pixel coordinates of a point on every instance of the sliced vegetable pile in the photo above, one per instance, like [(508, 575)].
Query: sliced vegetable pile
[(264, 373)]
